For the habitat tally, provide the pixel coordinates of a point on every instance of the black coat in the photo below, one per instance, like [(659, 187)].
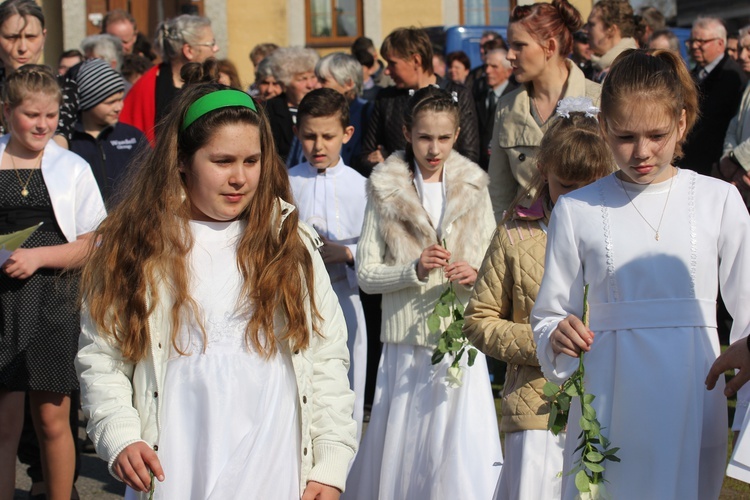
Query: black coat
[(280, 119), (720, 94), (385, 127), (486, 118), (109, 155)]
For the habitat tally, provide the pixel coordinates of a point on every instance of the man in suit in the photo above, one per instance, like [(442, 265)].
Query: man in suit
[(498, 82), (720, 83)]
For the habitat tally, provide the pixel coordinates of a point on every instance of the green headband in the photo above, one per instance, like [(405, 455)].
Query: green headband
[(216, 100)]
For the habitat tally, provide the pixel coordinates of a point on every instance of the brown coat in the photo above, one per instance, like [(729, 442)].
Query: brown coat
[(497, 319)]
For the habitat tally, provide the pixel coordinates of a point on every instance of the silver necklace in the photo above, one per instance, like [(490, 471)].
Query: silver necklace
[(663, 211)]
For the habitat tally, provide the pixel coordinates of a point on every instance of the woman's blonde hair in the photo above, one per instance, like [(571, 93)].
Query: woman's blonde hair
[(660, 78), (30, 79), (572, 149), (145, 241)]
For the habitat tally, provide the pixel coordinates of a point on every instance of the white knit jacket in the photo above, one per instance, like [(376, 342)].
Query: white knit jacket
[(122, 403), (396, 230)]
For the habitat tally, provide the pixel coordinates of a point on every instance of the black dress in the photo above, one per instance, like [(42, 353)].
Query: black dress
[(39, 316)]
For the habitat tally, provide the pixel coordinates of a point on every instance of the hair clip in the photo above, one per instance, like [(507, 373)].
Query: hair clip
[(576, 105), (411, 92), (454, 96)]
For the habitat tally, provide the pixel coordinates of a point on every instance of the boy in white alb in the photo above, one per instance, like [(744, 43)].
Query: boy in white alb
[(331, 197)]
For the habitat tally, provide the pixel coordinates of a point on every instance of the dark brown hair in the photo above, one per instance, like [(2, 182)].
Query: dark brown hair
[(459, 56), (319, 103), (408, 42), (23, 8), (429, 98)]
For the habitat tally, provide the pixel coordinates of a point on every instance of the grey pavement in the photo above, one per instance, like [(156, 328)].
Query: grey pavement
[(94, 481)]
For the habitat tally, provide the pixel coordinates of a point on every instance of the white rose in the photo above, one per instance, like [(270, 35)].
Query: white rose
[(596, 492), (454, 376)]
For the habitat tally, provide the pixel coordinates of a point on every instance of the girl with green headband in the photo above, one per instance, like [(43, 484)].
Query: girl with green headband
[(213, 358)]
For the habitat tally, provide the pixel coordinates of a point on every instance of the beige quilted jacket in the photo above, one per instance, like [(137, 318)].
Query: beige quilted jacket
[(497, 319)]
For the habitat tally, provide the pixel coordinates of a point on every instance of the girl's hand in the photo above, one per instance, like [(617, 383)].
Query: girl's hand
[(462, 272), (319, 491), (333, 253), (432, 257), (571, 337), (22, 263), (134, 464)]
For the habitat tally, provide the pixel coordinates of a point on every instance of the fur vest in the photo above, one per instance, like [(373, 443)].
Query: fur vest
[(404, 223)]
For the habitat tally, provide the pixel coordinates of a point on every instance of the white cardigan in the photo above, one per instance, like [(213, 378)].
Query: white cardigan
[(397, 229), (76, 200), (121, 399)]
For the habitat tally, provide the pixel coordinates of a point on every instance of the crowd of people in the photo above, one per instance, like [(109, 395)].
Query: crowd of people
[(297, 289)]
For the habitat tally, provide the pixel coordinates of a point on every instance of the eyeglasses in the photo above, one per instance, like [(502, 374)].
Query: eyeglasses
[(690, 41), (210, 44)]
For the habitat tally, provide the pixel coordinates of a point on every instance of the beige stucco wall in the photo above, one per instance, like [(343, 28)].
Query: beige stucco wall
[(266, 21), (400, 13)]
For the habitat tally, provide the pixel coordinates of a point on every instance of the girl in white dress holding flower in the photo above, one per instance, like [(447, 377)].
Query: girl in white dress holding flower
[(426, 439), (653, 243), (213, 351)]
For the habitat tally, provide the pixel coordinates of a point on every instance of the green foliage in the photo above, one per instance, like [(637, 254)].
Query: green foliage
[(452, 341), (594, 446)]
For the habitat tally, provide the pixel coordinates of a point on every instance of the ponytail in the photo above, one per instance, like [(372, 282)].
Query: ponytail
[(661, 78)]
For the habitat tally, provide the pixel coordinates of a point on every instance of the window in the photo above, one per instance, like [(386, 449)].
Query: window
[(333, 22), (486, 12)]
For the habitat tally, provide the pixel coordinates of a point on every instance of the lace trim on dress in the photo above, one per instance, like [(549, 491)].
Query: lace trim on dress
[(608, 245), (227, 332), (693, 231)]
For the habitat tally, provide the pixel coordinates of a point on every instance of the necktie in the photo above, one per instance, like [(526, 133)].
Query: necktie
[(491, 102)]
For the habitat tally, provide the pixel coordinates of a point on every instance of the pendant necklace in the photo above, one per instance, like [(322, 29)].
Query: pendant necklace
[(664, 210), (24, 185)]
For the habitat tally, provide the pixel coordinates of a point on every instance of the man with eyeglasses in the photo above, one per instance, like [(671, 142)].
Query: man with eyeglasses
[(720, 83)]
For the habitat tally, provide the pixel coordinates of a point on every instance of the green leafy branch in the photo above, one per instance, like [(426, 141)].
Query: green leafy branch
[(594, 446), (452, 341)]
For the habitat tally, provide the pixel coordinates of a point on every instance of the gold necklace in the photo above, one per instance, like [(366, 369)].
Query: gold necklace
[(663, 211), (24, 185)]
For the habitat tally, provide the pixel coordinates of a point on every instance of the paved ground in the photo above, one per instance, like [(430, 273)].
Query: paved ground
[(94, 481)]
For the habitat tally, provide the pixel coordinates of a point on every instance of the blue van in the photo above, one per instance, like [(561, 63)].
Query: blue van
[(465, 38)]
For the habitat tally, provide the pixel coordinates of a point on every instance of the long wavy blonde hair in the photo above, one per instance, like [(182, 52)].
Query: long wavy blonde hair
[(146, 239)]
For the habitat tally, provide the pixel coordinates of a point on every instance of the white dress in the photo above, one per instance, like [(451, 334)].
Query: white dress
[(333, 202), (426, 440), (653, 312), (230, 425)]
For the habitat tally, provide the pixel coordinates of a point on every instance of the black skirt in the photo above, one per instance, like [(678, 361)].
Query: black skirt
[(39, 316)]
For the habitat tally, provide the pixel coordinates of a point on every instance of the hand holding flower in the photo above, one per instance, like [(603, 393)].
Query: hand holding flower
[(461, 272), (571, 337), (432, 257)]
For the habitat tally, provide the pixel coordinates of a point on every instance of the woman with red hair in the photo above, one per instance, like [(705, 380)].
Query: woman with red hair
[(540, 37)]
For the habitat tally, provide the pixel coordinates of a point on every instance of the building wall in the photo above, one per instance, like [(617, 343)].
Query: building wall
[(266, 21), (239, 28)]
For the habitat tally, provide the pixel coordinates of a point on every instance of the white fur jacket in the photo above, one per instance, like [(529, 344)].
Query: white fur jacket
[(397, 229)]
